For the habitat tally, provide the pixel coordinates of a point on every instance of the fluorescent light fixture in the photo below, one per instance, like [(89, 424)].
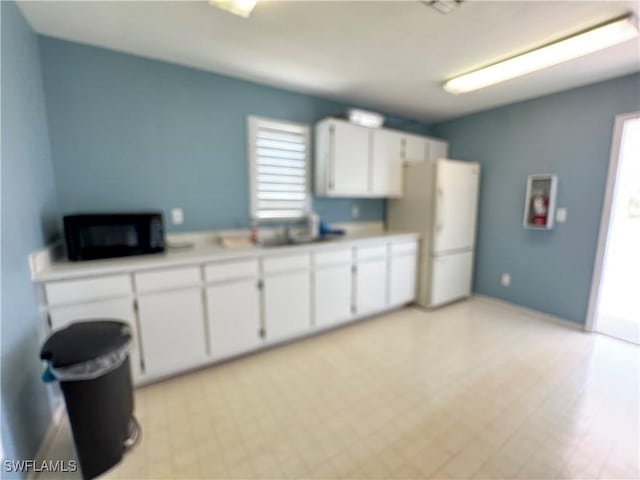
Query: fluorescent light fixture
[(242, 8), (583, 43), (365, 118)]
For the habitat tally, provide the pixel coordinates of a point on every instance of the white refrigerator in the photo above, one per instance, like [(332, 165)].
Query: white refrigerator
[(440, 201)]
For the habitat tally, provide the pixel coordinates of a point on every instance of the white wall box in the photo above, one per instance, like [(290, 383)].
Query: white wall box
[(204, 310), (172, 329), (540, 202)]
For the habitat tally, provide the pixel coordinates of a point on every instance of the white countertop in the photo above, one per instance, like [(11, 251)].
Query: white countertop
[(201, 253)]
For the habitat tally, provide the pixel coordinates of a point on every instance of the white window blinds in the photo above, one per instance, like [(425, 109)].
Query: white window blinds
[(278, 169)]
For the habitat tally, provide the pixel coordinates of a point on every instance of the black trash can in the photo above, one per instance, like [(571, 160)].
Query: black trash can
[(91, 362)]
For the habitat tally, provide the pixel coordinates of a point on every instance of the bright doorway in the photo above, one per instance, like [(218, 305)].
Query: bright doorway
[(615, 294)]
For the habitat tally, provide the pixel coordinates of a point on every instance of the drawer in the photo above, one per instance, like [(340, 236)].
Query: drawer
[(285, 264), (333, 257), (218, 272), (366, 253), (78, 291), (167, 279), (404, 248)]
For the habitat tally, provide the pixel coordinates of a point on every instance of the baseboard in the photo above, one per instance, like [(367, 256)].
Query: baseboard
[(531, 312), (47, 440)]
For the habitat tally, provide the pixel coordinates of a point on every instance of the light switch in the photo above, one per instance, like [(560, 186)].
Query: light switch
[(177, 216), (561, 215), (505, 279)]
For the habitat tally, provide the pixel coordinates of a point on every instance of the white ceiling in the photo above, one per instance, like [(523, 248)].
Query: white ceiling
[(391, 55)]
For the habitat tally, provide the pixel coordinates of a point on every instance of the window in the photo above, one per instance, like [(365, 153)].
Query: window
[(278, 169)]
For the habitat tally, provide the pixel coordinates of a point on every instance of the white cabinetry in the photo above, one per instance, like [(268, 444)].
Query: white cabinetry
[(187, 316), (172, 322), (233, 307), (287, 308), (386, 163), (113, 309), (371, 279), (342, 158), (102, 298), (355, 161), (402, 273), (332, 287), (415, 148)]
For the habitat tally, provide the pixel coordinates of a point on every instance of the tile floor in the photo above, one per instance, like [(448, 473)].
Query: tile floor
[(474, 390)]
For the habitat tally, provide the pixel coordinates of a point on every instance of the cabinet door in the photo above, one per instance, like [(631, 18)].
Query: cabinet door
[(234, 317), (172, 330), (402, 282), (415, 148), (371, 286), (113, 309), (437, 149), (332, 295), (386, 163), (287, 310), (348, 169)]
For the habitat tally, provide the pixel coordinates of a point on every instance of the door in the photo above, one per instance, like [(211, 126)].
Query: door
[(234, 317), (116, 309), (456, 205), (415, 148), (386, 163), (348, 159), (371, 286), (402, 283), (451, 277), (332, 295), (287, 308), (172, 330), (615, 303)]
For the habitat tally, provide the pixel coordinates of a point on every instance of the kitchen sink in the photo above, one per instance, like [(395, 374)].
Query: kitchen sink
[(288, 241)]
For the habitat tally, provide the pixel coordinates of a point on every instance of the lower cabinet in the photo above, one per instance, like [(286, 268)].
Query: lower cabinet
[(332, 295), (371, 286), (287, 310), (112, 309), (172, 329), (402, 278), (234, 317)]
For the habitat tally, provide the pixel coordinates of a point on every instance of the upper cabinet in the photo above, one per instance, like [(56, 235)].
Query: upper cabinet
[(342, 159), (355, 161), (386, 163)]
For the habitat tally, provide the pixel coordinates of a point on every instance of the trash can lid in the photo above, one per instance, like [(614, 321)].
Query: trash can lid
[(84, 341)]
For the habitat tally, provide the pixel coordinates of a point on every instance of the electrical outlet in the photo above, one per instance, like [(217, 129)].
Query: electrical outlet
[(505, 280), (355, 211), (561, 215), (177, 216)]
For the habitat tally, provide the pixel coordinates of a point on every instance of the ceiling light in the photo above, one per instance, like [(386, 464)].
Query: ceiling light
[(588, 41), (242, 8)]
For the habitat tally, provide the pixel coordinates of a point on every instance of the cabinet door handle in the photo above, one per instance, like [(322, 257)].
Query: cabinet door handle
[(331, 157), (262, 333)]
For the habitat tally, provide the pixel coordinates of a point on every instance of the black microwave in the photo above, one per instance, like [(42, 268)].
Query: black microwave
[(94, 236)]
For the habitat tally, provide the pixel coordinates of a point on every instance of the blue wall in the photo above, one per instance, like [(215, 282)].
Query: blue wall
[(29, 220), (569, 134), (132, 133)]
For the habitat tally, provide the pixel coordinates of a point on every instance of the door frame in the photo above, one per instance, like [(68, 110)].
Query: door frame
[(605, 220)]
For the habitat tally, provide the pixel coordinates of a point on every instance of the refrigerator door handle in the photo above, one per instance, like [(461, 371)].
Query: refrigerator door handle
[(439, 202)]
